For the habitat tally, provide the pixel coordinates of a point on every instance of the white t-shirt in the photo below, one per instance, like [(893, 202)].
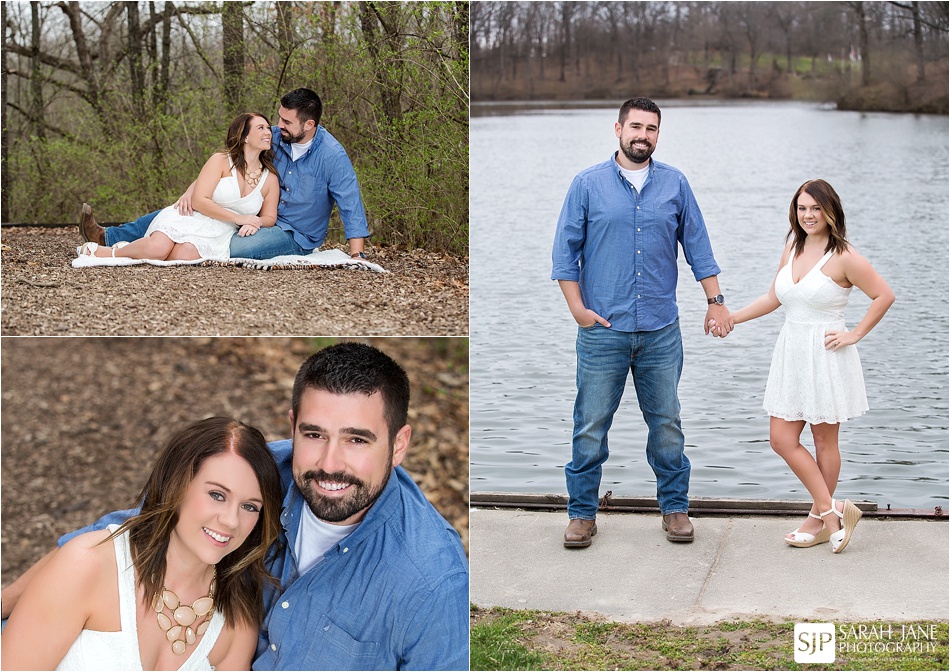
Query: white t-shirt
[(635, 177), (315, 537), (299, 149)]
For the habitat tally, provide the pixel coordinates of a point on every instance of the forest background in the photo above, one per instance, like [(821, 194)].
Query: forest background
[(885, 56), (120, 103)]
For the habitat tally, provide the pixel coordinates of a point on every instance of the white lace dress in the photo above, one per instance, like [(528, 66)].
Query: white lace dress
[(95, 650), (210, 236), (806, 380)]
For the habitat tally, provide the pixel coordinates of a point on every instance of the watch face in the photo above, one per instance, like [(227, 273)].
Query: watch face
[(720, 299)]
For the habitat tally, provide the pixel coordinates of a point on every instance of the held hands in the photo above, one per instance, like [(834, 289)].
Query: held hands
[(719, 321), (838, 339)]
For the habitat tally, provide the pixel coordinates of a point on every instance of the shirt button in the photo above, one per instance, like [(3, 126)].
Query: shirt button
[(284, 605), (346, 549), (273, 647), (638, 251), (638, 229)]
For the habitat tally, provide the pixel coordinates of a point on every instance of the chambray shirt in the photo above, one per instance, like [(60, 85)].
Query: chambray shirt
[(393, 595), (621, 246), (311, 185)]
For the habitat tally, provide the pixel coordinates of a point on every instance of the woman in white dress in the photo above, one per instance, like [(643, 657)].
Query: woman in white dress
[(815, 376), (237, 191), (179, 586)]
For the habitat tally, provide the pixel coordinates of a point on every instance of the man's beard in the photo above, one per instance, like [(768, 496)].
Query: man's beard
[(637, 155), (338, 509), (288, 138)]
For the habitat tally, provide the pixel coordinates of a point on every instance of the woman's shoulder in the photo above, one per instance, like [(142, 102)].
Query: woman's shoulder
[(87, 552)]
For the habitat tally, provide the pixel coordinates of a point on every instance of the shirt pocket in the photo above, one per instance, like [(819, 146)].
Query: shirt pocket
[(348, 648)]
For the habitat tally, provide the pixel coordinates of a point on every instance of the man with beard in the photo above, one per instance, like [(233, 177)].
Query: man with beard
[(371, 576), (614, 257), (315, 172)]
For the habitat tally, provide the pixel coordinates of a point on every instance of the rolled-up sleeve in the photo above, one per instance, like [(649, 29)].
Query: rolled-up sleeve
[(571, 233), (345, 190), (693, 236)]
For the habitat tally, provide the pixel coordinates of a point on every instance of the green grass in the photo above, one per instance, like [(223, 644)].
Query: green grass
[(518, 640), (495, 646)]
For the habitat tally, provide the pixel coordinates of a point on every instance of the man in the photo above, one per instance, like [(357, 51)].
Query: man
[(315, 172), (615, 260), (372, 577)]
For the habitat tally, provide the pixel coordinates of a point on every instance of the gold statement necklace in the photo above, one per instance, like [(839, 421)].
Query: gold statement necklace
[(253, 178), (179, 627)]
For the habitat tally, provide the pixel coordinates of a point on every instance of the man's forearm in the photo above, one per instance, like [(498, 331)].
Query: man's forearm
[(11, 594)]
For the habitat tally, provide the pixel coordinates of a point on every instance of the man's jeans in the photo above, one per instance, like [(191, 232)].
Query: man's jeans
[(266, 243), (603, 358)]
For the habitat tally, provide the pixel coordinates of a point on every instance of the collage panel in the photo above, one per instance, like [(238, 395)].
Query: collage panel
[(683, 457), (241, 169), (372, 434)]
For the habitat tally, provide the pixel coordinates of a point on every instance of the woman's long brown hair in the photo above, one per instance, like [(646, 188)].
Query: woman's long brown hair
[(241, 574)]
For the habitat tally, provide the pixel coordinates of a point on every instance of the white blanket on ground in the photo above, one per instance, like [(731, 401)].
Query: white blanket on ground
[(325, 258)]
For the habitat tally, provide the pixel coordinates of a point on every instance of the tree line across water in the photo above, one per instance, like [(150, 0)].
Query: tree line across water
[(863, 55), (120, 103)]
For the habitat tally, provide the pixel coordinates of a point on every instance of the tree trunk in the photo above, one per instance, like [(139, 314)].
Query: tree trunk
[(136, 68), (863, 43), (918, 43), (36, 77), (232, 24), (4, 139), (389, 68)]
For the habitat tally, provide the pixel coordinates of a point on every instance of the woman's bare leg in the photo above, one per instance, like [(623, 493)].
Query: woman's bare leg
[(184, 252), (828, 458), (154, 246), (785, 438)]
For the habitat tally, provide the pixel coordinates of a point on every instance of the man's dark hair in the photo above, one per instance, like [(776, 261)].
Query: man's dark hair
[(355, 368), (642, 104), (305, 103)]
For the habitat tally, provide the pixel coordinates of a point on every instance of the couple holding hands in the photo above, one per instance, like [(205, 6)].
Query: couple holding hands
[(614, 257)]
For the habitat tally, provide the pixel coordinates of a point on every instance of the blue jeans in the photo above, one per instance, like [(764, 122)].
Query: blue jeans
[(603, 358), (266, 243)]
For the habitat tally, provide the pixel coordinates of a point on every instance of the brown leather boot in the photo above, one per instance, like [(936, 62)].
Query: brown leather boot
[(678, 527), (579, 532), (89, 228)]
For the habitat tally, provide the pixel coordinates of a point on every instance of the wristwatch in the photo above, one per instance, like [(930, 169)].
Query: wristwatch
[(719, 300)]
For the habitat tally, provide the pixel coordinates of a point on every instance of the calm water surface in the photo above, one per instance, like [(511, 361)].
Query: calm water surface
[(744, 162)]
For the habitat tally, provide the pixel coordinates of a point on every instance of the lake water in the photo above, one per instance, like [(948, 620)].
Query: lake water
[(744, 163)]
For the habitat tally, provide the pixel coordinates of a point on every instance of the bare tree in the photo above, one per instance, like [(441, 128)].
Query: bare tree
[(232, 23)]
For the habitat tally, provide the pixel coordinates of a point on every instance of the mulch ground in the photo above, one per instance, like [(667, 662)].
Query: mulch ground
[(424, 294), (84, 418)]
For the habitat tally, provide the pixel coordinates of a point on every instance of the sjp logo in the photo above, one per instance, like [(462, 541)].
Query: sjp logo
[(814, 642)]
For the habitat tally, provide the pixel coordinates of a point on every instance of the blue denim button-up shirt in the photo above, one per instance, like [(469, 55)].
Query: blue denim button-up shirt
[(393, 595), (311, 185), (621, 246)]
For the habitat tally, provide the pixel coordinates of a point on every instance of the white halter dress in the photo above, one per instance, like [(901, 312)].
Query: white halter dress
[(211, 236), (806, 380), (95, 650)]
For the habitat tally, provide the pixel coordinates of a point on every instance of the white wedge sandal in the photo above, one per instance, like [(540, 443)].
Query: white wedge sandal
[(806, 540), (849, 520)]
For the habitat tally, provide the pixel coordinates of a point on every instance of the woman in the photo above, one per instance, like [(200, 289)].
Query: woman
[(815, 376), (236, 191), (179, 586)]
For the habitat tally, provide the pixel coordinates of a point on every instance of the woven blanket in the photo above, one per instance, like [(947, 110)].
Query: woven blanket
[(317, 259)]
